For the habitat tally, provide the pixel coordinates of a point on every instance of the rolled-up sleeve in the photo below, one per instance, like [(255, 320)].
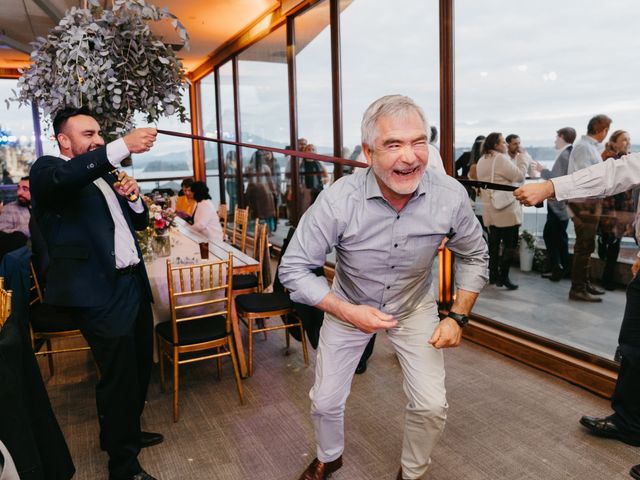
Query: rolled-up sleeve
[(315, 237), (600, 180), (470, 250)]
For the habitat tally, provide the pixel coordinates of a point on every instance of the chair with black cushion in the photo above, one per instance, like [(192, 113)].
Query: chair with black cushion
[(240, 226), (200, 325), (260, 308), (47, 323)]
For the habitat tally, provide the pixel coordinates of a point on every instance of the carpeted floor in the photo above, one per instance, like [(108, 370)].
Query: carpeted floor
[(506, 421)]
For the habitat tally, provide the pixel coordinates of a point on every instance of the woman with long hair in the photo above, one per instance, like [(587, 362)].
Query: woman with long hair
[(503, 222)]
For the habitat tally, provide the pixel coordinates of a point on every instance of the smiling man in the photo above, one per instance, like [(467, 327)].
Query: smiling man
[(386, 223), (88, 220)]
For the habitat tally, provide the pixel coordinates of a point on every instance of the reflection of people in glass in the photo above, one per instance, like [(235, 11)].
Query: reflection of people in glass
[(495, 166), (185, 203), (314, 174), (617, 214), (260, 191), (230, 174), (469, 158)]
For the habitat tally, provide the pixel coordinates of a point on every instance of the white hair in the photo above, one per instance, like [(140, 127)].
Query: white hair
[(391, 106)]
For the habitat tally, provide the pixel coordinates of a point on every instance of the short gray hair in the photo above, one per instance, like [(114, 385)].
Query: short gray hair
[(392, 106)]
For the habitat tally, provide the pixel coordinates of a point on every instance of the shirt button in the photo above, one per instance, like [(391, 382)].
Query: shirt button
[(393, 266), (384, 304), (398, 217), (395, 245), (113, 254), (388, 287)]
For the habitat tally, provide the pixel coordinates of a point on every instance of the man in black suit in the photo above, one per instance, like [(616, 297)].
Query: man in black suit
[(96, 271), (555, 229)]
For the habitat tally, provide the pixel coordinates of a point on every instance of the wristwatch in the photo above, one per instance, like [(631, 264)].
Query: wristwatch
[(460, 319)]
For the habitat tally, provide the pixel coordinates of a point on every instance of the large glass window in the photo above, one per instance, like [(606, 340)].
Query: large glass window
[(388, 48), (264, 120), (171, 157), (227, 131), (530, 70), (210, 129), (17, 140)]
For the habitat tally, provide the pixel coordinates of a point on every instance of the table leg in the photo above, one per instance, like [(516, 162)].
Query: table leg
[(242, 361)]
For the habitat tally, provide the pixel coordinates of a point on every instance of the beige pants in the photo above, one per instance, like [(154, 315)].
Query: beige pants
[(422, 365)]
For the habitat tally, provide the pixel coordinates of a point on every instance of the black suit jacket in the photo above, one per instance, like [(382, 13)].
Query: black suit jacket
[(75, 221)]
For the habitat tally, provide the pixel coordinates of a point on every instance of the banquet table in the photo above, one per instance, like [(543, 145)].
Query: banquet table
[(185, 250)]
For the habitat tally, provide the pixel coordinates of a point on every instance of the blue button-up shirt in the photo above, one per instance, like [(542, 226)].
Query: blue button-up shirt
[(585, 153), (384, 257)]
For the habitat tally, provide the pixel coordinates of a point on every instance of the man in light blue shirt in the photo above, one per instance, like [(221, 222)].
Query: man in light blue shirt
[(586, 214), (386, 223)]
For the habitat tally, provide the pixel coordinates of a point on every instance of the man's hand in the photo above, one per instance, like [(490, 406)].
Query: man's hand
[(140, 140), (368, 319), (534, 193), (447, 334), (635, 267), (126, 185)]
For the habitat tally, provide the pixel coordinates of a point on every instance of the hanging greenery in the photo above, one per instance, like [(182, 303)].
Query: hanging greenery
[(107, 61)]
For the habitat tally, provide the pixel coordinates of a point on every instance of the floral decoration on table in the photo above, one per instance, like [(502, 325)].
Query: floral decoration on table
[(161, 219)]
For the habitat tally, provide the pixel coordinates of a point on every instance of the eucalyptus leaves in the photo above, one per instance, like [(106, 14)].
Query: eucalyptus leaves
[(108, 61)]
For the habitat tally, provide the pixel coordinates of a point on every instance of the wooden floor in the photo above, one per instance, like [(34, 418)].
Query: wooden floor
[(506, 421)]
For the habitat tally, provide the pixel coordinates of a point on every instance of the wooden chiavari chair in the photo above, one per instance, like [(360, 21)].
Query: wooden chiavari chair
[(223, 214), (5, 303), (240, 226), (200, 325), (47, 323)]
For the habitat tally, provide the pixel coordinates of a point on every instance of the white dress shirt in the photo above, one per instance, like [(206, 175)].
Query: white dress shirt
[(585, 153), (124, 243)]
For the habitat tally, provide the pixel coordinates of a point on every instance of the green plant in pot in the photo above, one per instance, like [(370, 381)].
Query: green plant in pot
[(110, 62), (527, 250)]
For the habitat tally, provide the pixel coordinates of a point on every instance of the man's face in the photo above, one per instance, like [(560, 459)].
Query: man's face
[(559, 143), (601, 135), (400, 154), (513, 146), (24, 194), (81, 134)]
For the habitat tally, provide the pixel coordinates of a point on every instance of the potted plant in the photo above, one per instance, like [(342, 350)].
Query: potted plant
[(527, 250), (108, 61)]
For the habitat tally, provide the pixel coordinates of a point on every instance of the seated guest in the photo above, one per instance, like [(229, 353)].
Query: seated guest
[(205, 216), (185, 204), (14, 219)]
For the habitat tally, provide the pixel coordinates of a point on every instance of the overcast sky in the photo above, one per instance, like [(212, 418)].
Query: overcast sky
[(523, 67)]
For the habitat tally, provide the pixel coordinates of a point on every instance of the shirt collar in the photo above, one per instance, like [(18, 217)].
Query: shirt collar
[(591, 140), (372, 189)]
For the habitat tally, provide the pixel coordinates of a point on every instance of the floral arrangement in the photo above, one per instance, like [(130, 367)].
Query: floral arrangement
[(161, 217), (110, 62)]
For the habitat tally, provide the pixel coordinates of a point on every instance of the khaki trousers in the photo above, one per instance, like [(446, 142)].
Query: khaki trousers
[(422, 366)]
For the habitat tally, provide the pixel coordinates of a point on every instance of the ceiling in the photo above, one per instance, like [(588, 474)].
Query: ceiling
[(210, 24)]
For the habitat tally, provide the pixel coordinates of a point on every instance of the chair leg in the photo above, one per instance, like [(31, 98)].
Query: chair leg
[(305, 352), (50, 358), (176, 411), (236, 369), (219, 361), (161, 359), (288, 340), (250, 334)]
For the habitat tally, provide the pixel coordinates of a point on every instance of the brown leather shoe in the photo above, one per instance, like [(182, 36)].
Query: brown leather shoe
[(593, 290), (583, 296), (319, 471)]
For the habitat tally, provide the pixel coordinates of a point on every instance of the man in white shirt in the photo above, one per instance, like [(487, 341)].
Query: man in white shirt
[(586, 214)]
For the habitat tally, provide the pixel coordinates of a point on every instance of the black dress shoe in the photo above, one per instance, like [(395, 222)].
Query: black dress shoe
[(141, 475), (149, 439), (604, 427), (635, 472), (361, 368), (508, 284)]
